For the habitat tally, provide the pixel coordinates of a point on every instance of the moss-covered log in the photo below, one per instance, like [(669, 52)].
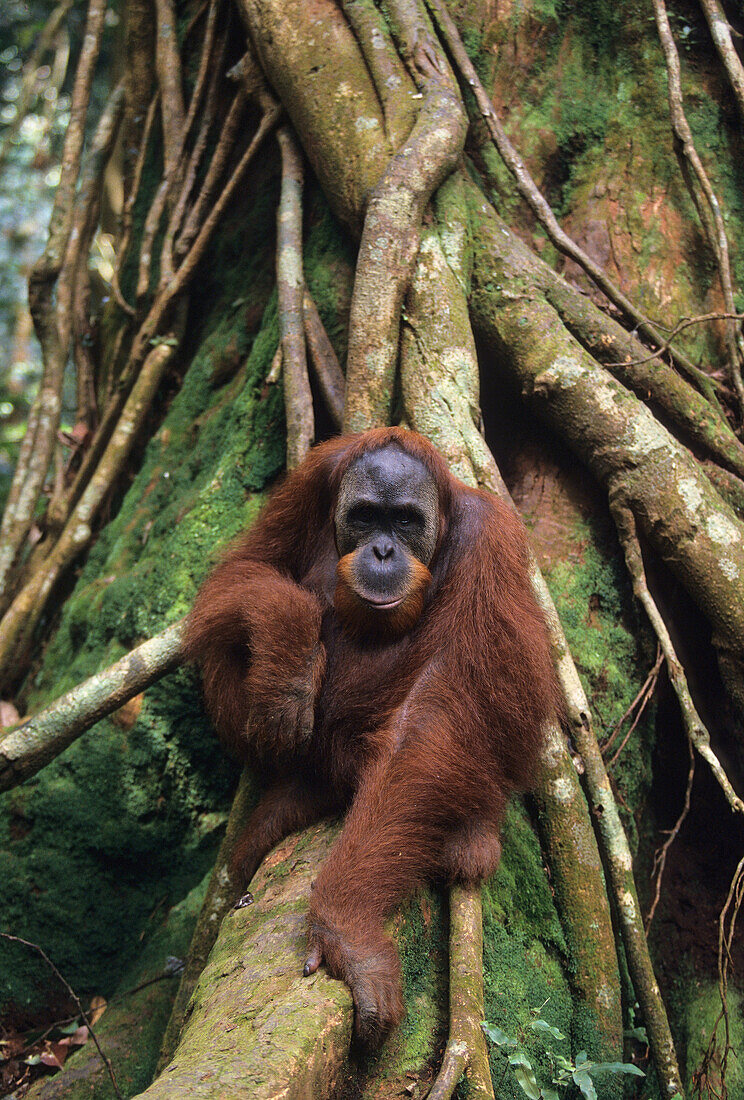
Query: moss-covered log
[(254, 1028)]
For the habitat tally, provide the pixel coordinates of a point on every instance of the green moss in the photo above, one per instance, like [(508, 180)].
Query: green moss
[(133, 1023), (420, 931), (703, 1009), (610, 644), (422, 940), (524, 952), (588, 111)]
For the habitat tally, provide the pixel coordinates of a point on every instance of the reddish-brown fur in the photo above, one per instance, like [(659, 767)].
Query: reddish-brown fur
[(422, 735)]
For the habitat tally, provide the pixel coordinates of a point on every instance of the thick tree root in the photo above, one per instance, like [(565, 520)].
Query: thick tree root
[(617, 437), (392, 228), (617, 854), (530, 192), (721, 33), (429, 363), (219, 899), (440, 389), (255, 1029), (465, 1053), (375, 42)]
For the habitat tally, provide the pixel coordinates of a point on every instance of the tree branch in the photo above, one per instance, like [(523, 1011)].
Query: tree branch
[(168, 65), (128, 211), (290, 279), (708, 207), (26, 609), (44, 42), (660, 857), (43, 422), (696, 731), (86, 1019), (229, 134), (324, 360), (31, 746)]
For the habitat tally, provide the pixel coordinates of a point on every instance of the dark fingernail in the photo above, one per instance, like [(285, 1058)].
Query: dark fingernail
[(312, 962)]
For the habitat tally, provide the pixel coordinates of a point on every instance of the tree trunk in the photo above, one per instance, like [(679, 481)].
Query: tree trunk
[(412, 236)]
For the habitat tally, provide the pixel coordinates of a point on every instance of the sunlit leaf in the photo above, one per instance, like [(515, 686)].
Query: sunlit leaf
[(582, 1079), (525, 1075), (69, 1029), (497, 1036), (618, 1067), (546, 1028)]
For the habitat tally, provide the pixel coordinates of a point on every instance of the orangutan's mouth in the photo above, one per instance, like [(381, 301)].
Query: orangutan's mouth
[(386, 605)]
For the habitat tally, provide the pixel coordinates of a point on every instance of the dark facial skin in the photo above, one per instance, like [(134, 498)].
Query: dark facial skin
[(388, 512)]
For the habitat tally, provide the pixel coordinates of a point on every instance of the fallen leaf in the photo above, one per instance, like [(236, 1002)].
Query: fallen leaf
[(9, 716), (52, 1059), (96, 1010), (126, 716), (78, 1038)]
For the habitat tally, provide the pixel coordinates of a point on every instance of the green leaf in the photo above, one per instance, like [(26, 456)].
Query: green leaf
[(549, 1094), (525, 1075), (497, 1036), (637, 1033), (564, 1063), (546, 1028), (585, 1084), (617, 1067), (69, 1029), (582, 1058)]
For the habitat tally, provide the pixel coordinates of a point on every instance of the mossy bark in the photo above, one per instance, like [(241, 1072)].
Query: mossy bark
[(637, 460), (128, 819), (254, 1027)]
